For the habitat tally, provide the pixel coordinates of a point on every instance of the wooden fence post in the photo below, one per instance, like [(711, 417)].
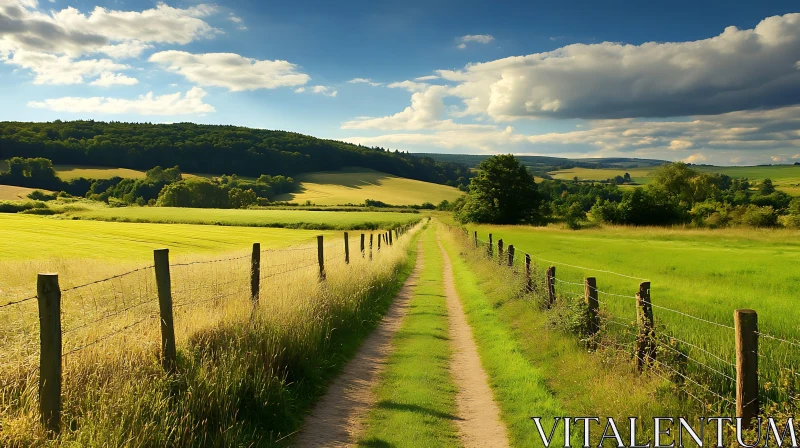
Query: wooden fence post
[(491, 248), (590, 295), (746, 325), (528, 279), (475, 237), (346, 248), (550, 280), (255, 272), (321, 257), (500, 251), (370, 246), (49, 297), (390, 237), (380, 236), (510, 255), (645, 342), (164, 285), (362, 246)]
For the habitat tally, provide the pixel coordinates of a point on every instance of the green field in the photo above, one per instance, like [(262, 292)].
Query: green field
[(706, 274), (36, 237), (785, 177), (12, 193), (355, 185), (254, 218)]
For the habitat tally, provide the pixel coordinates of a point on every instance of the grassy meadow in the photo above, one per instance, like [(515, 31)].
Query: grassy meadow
[(355, 185), (703, 273), (786, 178), (246, 375), (294, 219)]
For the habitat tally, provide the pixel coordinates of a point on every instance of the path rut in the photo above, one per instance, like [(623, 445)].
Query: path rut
[(479, 423), (337, 419)]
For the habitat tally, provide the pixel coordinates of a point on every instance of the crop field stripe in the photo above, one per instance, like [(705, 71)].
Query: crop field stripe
[(416, 395), (519, 386)]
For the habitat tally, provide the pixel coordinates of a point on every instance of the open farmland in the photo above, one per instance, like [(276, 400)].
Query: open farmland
[(785, 177), (12, 193), (353, 186), (703, 274), (295, 219)]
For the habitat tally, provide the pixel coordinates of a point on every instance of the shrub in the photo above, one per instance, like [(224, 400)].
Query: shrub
[(39, 195)]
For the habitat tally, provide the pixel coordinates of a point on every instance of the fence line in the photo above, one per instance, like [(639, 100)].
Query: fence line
[(745, 330), (106, 301)]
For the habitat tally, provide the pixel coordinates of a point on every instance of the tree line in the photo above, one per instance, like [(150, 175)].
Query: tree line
[(163, 187), (504, 192), (211, 149)]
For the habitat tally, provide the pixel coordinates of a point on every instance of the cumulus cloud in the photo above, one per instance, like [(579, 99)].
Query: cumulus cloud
[(110, 79), (325, 90), (411, 86), (238, 21), (365, 81), (696, 158), (71, 32), (149, 104), (736, 70), (51, 69), (477, 38), (426, 78), (124, 50), (230, 70)]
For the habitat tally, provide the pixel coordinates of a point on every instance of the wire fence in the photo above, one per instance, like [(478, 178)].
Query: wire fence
[(694, 352), (150, 307)]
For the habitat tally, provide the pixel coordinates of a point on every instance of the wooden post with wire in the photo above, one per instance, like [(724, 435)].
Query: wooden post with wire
[(550, 283), (528, 279), (475, 237), (592, 305), (346, 248), (391, 243), (255, 272), (491, 248), (362, 246), (370, 246), (746, 327), (500, 251), (380, 236), (645, 341), (510, 255), (321, 257), (164, 286), (50, 350)]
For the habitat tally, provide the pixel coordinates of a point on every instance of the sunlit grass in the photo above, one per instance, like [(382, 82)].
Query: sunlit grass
[(246, 374)]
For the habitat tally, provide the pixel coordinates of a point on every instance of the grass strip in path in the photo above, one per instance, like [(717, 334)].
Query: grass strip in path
[(416, 395), (519, 386)]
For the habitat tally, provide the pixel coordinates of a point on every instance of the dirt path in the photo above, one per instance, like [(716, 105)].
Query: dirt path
[(479, 422), (337, 419)]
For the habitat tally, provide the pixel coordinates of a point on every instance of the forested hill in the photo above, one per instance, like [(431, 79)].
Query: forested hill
[(210, 149)]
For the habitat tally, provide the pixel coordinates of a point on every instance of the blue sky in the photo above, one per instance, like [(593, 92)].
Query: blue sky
[(706, 82)]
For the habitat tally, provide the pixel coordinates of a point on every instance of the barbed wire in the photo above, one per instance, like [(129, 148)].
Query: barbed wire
[(795, 344), (108, 316), (143, 268), (17, 302), (113, 333), (210, 261)]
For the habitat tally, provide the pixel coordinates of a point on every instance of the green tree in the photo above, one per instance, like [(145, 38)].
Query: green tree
[(766, 187), (503, 192)]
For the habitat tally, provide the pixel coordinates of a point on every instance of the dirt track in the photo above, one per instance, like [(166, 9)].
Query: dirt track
[(479, 422), (337, 419)]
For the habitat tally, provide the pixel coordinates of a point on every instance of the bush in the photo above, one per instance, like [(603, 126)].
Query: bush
[(39, 195), (20, 206), (756, 216)]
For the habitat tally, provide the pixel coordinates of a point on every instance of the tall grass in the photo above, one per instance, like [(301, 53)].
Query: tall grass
[(246, 374)]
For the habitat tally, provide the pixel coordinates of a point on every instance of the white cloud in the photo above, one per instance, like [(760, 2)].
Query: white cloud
[(696, 158), (411, 86), (365, 81), (109, 79), (124, 50), (71, 32), (738, 69), (426, 78), (51, 69), (168, 104), (477, 38), (324, 90), (238, 21), (230, 70), (300, 90)]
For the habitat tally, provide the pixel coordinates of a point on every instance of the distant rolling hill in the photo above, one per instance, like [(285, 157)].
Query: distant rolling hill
[(354, 185), (544, 164)]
